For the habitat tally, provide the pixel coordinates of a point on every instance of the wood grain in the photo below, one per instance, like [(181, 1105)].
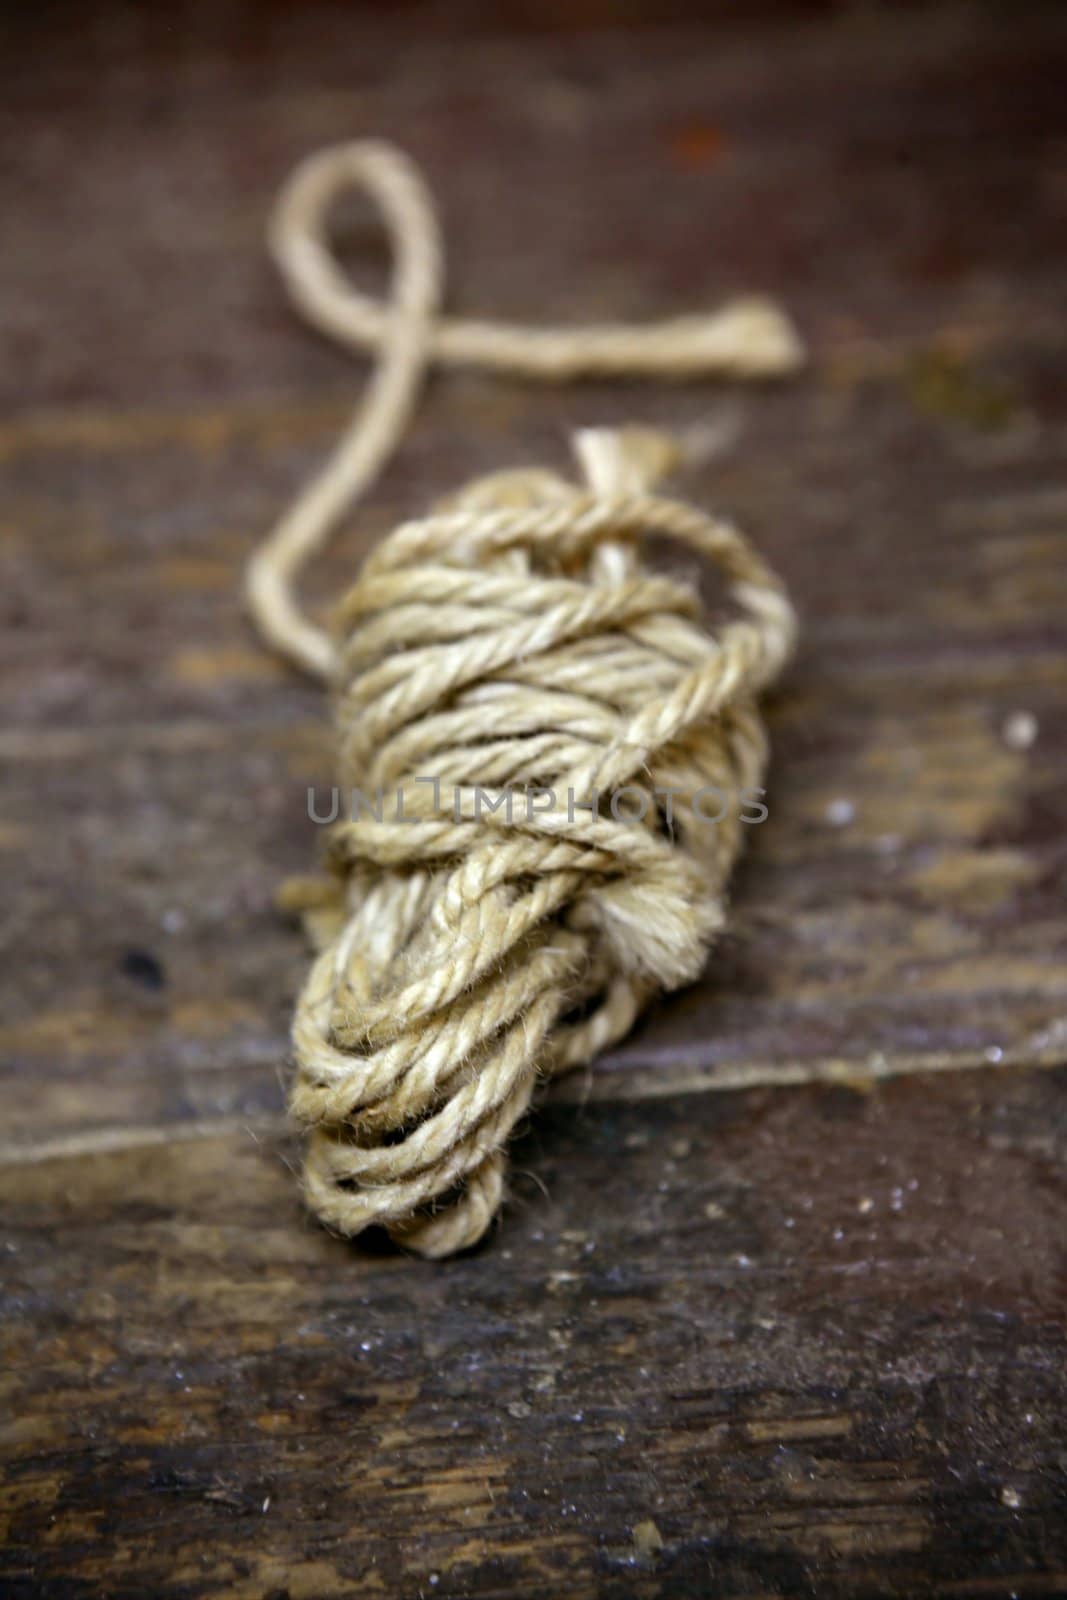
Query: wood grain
[(801, 1337)]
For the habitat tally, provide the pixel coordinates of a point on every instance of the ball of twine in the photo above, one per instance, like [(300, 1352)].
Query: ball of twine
[(526, 718)]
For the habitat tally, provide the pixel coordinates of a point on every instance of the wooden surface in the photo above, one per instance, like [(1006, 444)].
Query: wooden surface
[(803, 1337)]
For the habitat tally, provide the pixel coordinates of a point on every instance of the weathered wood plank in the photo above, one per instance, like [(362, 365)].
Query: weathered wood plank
[(786, 1341), (804, 1333)]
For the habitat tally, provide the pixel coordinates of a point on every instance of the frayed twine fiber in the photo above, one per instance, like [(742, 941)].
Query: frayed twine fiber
[(510, 641)]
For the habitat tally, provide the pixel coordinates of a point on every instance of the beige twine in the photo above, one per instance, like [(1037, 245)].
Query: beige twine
[(510, 643)]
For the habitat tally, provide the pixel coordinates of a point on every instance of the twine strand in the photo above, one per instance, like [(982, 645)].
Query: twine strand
[(749, 338), (510, 650)]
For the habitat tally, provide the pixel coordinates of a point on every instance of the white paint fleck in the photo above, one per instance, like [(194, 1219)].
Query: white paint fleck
[(1019, 730), (840, 812)]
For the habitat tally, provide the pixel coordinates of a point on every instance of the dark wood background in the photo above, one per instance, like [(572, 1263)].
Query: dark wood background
[(800, 1337)]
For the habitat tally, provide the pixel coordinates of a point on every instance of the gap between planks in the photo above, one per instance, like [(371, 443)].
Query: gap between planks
[(590, 1087)]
